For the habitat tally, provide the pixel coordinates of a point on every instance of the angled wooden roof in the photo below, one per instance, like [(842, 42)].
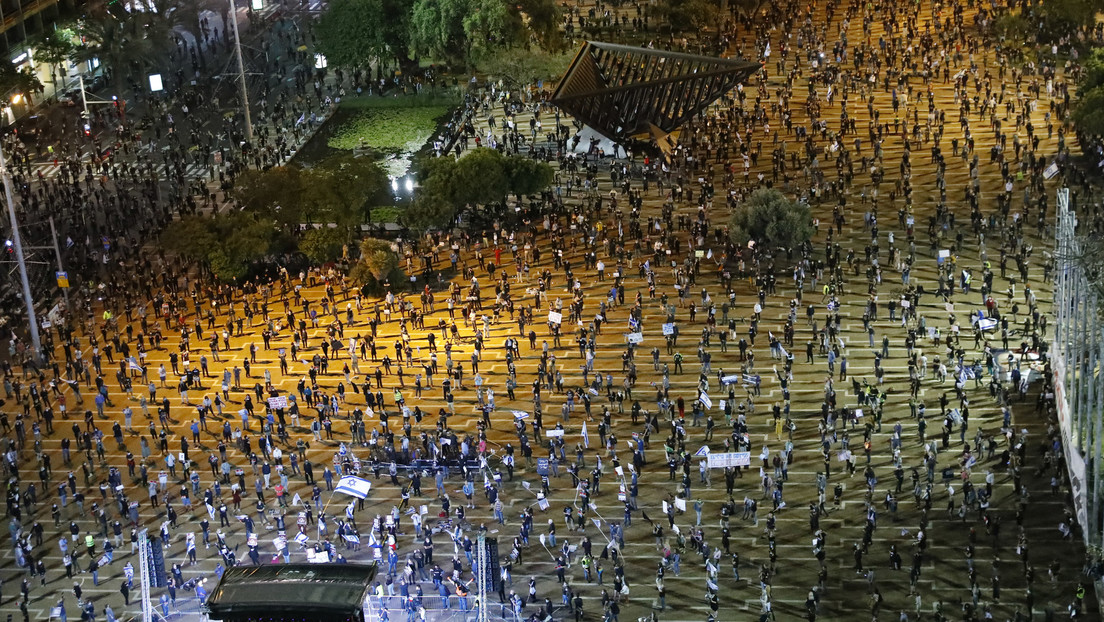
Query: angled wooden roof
[(621, 91)]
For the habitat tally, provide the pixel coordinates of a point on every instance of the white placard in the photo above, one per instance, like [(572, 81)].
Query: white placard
[(680, 504), (555, 317), (944, 254), (729, 459), (278, 402), (555, 433), (634, 337), (668, 329)]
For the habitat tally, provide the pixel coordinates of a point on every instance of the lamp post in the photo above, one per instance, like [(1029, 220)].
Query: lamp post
[(17, 242), (241, 72)]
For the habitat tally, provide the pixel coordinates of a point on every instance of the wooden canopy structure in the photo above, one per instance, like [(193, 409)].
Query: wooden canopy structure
[(624, 92)]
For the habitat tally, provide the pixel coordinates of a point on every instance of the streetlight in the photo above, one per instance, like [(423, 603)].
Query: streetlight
[(16, 243), (241, 72)]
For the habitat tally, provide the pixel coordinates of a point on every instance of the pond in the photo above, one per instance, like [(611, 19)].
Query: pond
[(391, 129)]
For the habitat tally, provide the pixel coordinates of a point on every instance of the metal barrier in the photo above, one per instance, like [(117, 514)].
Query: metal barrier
[(436, 609)]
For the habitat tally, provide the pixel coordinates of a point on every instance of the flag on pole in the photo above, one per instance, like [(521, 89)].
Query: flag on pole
[(211, 511), (586, 437), (355, 486), (296, 500), (302, 538)]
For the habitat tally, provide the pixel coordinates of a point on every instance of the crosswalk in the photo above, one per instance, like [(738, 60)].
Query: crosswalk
[(52, 169)]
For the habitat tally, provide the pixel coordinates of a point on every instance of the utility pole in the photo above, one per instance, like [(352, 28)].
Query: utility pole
[(17, 242), (481, 577), (84, 97), (241, 72), (144, 580), (61, 268)]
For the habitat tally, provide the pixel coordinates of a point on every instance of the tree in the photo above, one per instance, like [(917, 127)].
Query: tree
[(526, 176), (1059, 18), (229, 243), (1092, 71), (544, 19), (335, 191), (18, 81), (189, 237), (460, 31), (322, 245), (686, 15), (480, 177), (126, 44), (276, 193), (490, 25), (351, 33), (1088, 114), (437, 29), (348, 185), (378, 266), (428, 212), (771, 219), (523, 67), (54, 48)]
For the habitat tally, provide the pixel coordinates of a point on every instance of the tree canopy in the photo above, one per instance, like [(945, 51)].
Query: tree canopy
[(18, 81), (378, 267), (770, 218), (353, 33), (1088, 112), (684, 15), (483, 176), (54, 48), (229, 243), (336, 191)]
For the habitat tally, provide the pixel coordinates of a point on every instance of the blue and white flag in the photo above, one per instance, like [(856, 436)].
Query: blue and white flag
[(134, 364), (355, 486), (351, 538), (302, 117), (302, 538), (586, 437)]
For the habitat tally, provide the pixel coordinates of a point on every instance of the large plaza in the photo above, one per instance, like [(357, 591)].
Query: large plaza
[(902, 460)]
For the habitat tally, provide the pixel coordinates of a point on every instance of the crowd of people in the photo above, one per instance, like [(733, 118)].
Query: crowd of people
[(504, 378)]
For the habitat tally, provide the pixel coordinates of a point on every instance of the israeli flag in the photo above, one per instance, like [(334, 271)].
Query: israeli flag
[(355, 486), (351, 538), (302, 538), (586, 437)]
